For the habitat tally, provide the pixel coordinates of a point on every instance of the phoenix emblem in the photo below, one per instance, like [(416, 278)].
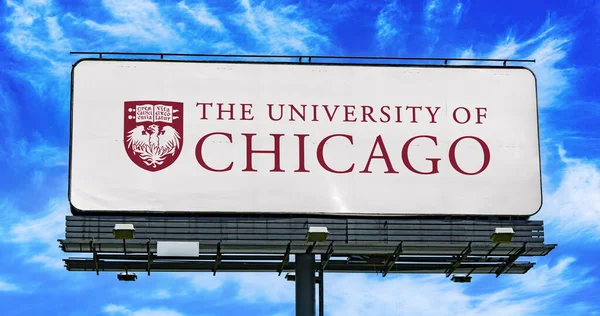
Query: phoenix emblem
[(154, 133)]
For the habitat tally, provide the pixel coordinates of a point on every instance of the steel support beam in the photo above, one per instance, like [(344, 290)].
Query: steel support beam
[(305, 284)]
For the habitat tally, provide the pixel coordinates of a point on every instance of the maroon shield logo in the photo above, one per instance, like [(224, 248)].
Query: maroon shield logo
[(153, 133)]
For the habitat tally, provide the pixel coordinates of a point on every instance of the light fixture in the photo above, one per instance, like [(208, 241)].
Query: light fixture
[(123, 231), (126, 276), (317, 234), (461, 278), (502, 235)]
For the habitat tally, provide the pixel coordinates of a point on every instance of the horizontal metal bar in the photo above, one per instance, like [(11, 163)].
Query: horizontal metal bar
[(74, 264), (301, 232), (341, 249), (299, 237), (303, 220), (300, 57)]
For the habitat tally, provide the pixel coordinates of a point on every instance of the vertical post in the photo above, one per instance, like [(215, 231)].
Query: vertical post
[(321, 306), (305, 284)]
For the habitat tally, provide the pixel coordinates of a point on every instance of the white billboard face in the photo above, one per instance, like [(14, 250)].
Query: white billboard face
[(202, 137)]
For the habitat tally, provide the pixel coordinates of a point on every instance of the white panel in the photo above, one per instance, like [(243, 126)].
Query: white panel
[(368, 107), (177, 249)]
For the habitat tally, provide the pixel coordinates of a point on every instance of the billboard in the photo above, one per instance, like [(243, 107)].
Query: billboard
[(171, 137)]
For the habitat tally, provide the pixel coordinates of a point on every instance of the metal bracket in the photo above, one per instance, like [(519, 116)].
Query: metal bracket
[(328, 255), (218, 259), (464, 254), (286, 258), (96, 263), (311, 247), (149, 256), (511, 260), (390, 263)]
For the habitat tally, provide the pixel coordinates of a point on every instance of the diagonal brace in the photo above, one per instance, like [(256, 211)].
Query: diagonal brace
[(511, 260), (328, 255), (463, 256), (218, 259), (389, 263), (286, 258)]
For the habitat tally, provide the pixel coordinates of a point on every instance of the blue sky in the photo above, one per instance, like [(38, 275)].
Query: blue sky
[(37, 35)]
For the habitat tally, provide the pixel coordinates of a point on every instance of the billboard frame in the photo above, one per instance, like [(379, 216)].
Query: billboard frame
[(79, 212)]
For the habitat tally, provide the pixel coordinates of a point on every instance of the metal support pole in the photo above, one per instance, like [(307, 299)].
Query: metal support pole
[(305, 284), (321, 306)]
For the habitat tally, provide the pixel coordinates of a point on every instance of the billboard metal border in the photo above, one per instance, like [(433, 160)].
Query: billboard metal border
[(300, 62)]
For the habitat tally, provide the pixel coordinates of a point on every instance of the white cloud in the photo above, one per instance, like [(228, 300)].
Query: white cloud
[(573, 209), (537, 292), (136, 20), (161, 294), (443, 11), (122, 310), (281, 29), (112, 309), (389, 25), (250, 287), (36, 32), (44, 229), (358, 294), (202, 14), (439, 14), (8, 287), (549, 47), (36, 232), (431, 7), (457, 12)]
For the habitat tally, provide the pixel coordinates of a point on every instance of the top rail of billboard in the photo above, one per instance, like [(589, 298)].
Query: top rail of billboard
[(307, 58)]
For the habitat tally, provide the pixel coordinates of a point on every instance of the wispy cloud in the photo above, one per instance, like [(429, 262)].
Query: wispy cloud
[(436, 295), (138, 21), (390, 26), (8, 287), (202, 14), (113, 309), (443, 11), (40, 233), (35, 31), (549, 47), (37, 153), (280, 29), (537, 292), (439, 14), (573, 209)]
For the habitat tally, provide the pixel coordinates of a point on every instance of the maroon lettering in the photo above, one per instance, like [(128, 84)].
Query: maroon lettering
[(406, 160), (200, 158), (276, 152), (330, 115), (321, 156), (271, 112), (222, 110), (432, 113), (367, 111), (294, 110), (398, 108), (349, 112), (204, 104), (301, 155), (315, 107), (486, 155), (466, 111), (414, 112), (384, 111), (247, 111), (384, 155), (480, 115)]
